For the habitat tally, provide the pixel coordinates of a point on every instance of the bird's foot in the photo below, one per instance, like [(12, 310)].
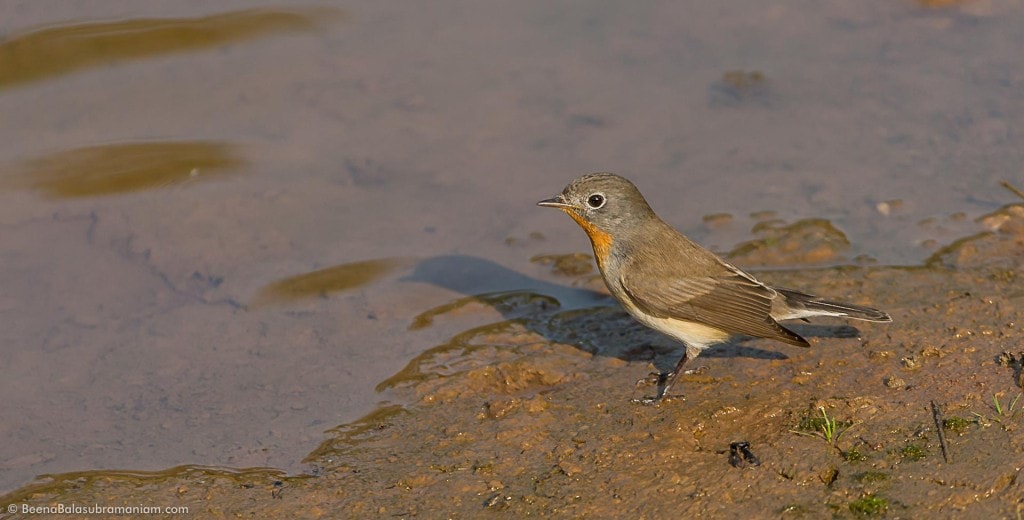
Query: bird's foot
[(652, 379), (646, 401), (656, 399), (697, 370)]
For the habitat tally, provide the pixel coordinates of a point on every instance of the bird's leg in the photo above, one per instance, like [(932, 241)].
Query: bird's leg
[(666, 381), (671, 377)]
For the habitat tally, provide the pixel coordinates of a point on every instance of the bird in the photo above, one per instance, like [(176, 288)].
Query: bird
[(673, 285)]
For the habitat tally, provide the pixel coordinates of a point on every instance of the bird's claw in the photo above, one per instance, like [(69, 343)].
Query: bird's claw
[(646, 401), (655, 400), (654, 378)]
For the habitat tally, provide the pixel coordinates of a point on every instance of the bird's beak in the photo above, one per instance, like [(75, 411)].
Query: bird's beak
[(556, 202)]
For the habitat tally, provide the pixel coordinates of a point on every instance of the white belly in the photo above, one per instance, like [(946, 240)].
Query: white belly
[(693, 334)]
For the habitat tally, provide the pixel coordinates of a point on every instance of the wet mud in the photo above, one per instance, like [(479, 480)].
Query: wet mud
[(532, 414)]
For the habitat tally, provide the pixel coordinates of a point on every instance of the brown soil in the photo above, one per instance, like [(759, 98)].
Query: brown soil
[(533, 415)]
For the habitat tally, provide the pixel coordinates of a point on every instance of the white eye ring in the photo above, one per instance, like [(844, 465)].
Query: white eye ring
[(596, 200)]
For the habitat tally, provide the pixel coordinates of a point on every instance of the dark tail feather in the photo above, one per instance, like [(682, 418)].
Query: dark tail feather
[(798, 302)]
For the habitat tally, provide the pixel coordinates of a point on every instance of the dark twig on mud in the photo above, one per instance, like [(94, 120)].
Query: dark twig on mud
[(937, 415), (1012, 188)]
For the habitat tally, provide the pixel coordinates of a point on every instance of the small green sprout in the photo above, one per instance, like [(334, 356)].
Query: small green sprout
[(827, 428), (869, 505)]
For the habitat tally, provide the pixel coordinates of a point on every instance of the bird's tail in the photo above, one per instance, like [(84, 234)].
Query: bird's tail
[(800, 305)]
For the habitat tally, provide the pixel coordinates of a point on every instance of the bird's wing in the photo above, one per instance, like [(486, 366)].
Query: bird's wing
[(729, 300)]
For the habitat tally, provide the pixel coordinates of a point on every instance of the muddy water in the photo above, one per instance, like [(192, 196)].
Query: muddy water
[(227, 229)]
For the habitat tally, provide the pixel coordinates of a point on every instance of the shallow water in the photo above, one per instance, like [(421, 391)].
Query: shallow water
[(186, 188)]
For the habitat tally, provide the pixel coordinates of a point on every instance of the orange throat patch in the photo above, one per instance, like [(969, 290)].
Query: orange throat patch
[(601, 241)]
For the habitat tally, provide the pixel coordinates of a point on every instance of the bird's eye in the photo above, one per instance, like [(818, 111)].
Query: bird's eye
[(596, 200)]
